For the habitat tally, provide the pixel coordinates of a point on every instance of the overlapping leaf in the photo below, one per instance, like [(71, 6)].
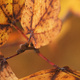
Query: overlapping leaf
[(40, 19), (10, 13)]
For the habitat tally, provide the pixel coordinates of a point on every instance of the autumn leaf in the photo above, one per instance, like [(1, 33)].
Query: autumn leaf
[(10, 13), (4, 32), (40, 20), (54, 74), (50, 74)]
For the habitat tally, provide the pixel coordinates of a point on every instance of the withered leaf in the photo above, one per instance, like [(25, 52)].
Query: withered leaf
[(40, 20), (10, 13), (4, 32), (54, 74)]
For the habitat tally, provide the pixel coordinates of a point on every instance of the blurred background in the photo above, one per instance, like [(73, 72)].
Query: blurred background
[(63, 51)]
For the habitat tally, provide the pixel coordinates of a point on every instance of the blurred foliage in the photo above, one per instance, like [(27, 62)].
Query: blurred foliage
[(68, 6), (65, 49)]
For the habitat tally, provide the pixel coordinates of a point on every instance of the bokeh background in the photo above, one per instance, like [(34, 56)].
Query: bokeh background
[(63, 51)]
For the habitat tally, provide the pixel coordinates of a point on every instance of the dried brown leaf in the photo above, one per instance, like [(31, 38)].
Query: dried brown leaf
[(40, 19)]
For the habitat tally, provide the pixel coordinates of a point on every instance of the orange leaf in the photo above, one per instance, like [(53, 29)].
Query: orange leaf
[(4, 32), (40, 20), (10, 13)]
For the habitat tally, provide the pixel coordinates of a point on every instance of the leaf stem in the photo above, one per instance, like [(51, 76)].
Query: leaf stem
[(17, 28)]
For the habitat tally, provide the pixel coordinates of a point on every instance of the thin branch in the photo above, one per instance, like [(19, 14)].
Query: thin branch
[(18, 52), (51, 63), (44, 58)]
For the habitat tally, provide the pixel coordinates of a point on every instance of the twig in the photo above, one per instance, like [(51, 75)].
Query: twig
[(25, 47), (51, 63), (44, 58), (39, 54)]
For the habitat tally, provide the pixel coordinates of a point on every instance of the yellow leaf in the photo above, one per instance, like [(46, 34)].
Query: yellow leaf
[(10, 13), (3, 19), (65, 5), (69, 6), (40, 19), (75, 7), (4, 32)]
